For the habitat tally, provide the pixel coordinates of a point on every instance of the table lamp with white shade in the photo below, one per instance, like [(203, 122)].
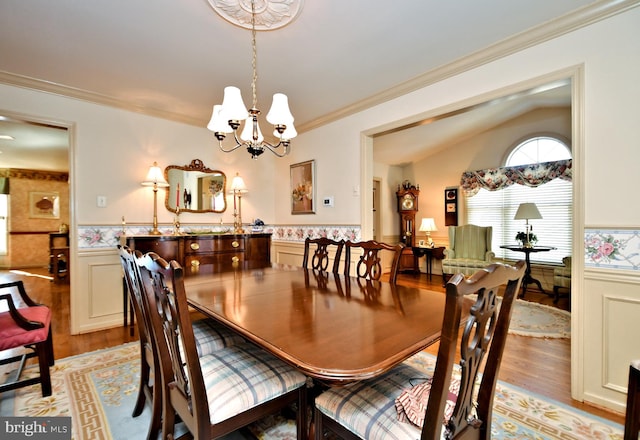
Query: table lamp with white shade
[(427, 226), (155, 179), (527, 211)]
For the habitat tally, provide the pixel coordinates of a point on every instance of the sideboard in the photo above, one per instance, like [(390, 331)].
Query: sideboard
[(221, 251)]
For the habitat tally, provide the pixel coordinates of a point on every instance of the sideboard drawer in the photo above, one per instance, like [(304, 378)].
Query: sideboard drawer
[(226, 258), (219, 244)]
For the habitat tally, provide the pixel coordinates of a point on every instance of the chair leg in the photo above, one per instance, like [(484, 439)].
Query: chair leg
[(632, 418), (144, 383), (43, 362)]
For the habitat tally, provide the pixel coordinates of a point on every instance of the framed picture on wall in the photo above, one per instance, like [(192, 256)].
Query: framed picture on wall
[(44, 204), (451, 207), (303, 176)]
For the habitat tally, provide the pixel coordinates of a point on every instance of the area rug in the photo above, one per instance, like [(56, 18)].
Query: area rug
[(539, 320), (98, 391)]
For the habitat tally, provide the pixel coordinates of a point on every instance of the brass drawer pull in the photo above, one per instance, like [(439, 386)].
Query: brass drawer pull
[(195, 246), (235, 243), (195, 263), (235, 259)]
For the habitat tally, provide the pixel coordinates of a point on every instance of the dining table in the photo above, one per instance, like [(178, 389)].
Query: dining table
[(334, 328)]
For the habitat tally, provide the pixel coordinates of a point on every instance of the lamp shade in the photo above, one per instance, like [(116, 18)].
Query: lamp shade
[(289, 133), (238, 185), (155, 176), (247, 131), (233, 108), (279, 114), (218, 124), (527, 211), (427, 225)]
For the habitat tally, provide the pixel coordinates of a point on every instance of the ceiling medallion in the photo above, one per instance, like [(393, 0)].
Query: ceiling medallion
[(269, 14)]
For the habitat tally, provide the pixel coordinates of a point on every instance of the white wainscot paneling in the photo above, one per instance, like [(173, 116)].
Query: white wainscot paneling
[(611, 329), (621, 343), (287, 252), (98, 300)]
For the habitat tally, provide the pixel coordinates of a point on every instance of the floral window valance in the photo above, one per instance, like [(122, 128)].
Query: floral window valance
[(493, 179)]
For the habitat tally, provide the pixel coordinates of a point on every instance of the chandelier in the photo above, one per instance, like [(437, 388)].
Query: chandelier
[(226, 118)]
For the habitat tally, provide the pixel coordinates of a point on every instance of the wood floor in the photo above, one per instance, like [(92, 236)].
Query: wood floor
[(539, 365)]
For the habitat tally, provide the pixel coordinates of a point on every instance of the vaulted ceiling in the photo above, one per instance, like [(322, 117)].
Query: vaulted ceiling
[(174, 58)]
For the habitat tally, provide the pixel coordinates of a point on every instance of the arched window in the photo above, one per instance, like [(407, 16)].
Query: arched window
[(553, 199)]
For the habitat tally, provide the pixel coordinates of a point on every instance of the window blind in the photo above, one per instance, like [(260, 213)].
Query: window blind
[(497, 208)]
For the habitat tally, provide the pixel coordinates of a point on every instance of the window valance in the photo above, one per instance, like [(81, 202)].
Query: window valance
[(493, 179)]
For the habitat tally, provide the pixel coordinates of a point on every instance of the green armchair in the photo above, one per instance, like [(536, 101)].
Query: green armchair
[(469, 250), (562, 279)]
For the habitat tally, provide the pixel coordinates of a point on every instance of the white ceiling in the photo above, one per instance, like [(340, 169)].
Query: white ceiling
[(173, 58)]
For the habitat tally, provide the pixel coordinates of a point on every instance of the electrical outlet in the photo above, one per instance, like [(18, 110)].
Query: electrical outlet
[(327, 201), (101, 201)]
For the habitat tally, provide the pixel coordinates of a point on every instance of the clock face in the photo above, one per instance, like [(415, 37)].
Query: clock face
[(407, 202)]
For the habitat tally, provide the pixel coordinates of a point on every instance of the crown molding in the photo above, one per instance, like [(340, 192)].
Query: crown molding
[(93, 97), (585, 16)]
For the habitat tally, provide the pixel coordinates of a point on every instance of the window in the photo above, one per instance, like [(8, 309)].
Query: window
[(554, 200)]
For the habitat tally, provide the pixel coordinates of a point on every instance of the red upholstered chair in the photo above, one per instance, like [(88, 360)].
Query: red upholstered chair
[(25, 324)]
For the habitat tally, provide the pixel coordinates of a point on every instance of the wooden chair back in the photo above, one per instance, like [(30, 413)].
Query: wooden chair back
[(184, 392), (150, 367), (485, 333), (369, 265), (321, 253), (182, 382)]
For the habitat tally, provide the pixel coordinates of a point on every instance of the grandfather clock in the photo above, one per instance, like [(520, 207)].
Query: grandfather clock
[(407, 208)]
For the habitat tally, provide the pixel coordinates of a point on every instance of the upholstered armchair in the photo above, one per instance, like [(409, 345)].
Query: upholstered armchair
[(469, 250), (562, 278)]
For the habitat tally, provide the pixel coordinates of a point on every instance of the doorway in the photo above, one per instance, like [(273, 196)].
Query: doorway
[(36, 187)]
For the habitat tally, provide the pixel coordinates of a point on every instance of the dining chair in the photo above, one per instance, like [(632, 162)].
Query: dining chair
[(369, 265), (404, 403), (632, 414), (322, 253), (209, 336), (25, 324), (222, 391)]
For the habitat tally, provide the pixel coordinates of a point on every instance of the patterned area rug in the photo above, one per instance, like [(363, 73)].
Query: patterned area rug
[(98, 391), (539, 320)]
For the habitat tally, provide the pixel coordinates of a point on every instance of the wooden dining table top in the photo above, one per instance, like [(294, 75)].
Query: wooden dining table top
[(333, 328)]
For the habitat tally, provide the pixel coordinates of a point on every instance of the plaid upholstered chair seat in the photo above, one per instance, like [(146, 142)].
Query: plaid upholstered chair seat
[(371, 409), (212, 336), (242, 377)]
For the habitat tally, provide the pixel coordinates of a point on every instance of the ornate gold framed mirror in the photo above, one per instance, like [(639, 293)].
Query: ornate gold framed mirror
[(195, 188)]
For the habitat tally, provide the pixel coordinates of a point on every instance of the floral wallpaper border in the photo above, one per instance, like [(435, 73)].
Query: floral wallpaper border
[(100, 237), (603, 248), (612, 249)]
